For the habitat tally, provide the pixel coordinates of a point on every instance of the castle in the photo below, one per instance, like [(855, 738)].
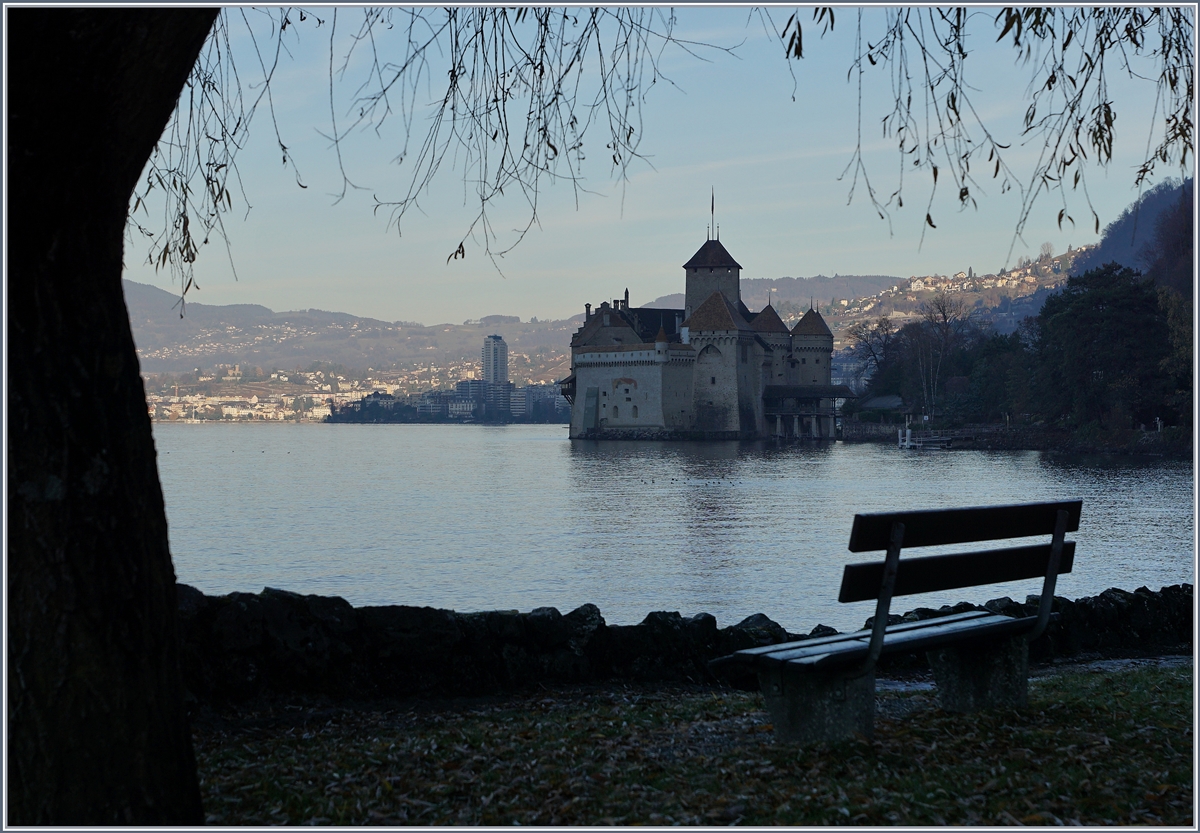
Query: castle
[(712, 370)]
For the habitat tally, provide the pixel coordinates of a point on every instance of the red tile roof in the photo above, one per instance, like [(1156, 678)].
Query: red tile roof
[(768, 321), (716, 313)]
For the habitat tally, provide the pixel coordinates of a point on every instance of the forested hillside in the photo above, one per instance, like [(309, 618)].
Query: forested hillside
[(1112, 349), (1130, 239)]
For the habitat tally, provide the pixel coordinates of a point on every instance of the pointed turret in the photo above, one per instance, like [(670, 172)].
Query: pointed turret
[(812, 345), (768, 321), (812, 324), (711, 256), (711, 269)]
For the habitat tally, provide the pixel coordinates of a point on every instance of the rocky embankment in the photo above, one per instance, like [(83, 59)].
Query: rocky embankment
[(245, 645)]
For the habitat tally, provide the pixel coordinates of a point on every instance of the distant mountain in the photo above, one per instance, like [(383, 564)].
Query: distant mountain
[(797, 290), (1125, 239), (253, 335), (155, 314)]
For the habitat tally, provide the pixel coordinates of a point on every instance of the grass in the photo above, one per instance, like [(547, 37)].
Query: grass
[(1091, 749)]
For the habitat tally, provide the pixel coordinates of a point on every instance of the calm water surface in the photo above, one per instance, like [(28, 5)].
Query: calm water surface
[(518, 517)]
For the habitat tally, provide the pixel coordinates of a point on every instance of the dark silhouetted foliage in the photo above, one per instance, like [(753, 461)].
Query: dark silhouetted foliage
[(1100, 348), (1169, 256), (1127, 239), (1111, 349)]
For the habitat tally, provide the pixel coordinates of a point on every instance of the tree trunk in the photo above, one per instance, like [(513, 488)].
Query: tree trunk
[(97, 730)]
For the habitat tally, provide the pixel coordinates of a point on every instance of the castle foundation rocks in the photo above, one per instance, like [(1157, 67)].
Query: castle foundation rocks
[(243, 646)]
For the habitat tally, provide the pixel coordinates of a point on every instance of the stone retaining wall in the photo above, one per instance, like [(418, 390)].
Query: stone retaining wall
[(244, 645)]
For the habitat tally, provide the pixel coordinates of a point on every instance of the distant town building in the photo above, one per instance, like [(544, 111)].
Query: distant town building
[(472, 389), (540, 403), (495, 360), (518, 404), (498, 400)]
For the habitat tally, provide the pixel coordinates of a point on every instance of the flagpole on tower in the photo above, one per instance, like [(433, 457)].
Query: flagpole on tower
[(713, 210)]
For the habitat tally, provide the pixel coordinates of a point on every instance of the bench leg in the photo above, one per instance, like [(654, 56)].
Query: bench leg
[(810, 707), (978, 675)]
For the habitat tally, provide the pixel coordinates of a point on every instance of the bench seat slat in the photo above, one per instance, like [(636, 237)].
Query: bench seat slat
[(931, 573), (842, 637), (800, 643), (852, 643), (910, 636), (813, 660), (921, 640), (961, 526), (996, 625)]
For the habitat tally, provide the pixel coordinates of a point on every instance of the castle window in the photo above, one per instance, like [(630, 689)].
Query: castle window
[(614, 411), (635, 411), (628, 398), (816, 361), (627, 390), (714, 380), (804, 361)]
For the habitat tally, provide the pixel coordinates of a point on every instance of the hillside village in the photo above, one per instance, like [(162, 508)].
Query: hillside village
[(251, 364), (1000, 299)]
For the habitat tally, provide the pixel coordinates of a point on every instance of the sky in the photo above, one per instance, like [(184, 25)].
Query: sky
[(724, 124)]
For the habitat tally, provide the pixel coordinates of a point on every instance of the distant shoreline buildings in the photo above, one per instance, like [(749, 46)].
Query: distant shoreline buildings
[(457, 389), (490, 399)]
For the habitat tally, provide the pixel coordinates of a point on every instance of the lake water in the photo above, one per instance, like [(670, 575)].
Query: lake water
[(518, 517)]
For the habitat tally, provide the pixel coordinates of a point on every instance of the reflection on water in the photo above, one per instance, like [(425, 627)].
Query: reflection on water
[(472, 518)]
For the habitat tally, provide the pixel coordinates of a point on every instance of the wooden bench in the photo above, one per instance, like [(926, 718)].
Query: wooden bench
[(824, 688)]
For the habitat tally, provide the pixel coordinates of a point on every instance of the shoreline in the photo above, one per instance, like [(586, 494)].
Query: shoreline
[(1173, 444)]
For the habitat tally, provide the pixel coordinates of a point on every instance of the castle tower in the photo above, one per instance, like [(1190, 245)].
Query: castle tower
[(711, 269), (812, 345), (773, 331)]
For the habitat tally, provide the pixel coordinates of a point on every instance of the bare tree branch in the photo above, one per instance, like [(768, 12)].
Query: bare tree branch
[(512, 96), (522, 91), (189, 174), (1069, 52)]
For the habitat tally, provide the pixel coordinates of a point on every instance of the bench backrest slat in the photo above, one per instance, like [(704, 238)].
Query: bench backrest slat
[(961, 526), (931, 573)]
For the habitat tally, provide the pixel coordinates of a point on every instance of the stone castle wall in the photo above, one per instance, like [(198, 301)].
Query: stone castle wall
[(715, 392), (817, 355)]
